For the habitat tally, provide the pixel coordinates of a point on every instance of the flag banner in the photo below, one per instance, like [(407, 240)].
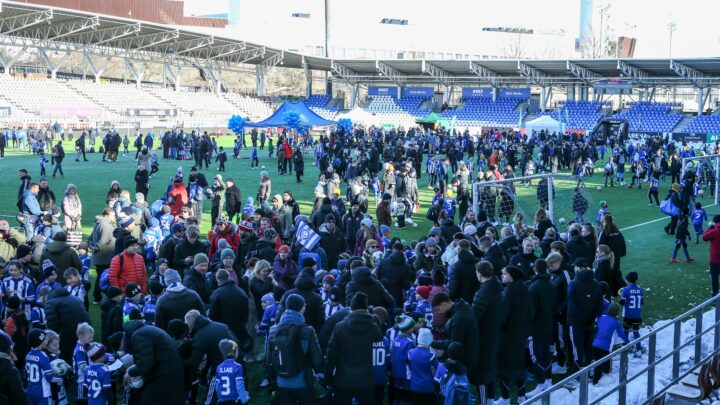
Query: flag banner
[(306, 236)]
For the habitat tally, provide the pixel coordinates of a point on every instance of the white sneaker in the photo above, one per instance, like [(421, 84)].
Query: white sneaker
[(558, 369), (502, 401), (538, 389)]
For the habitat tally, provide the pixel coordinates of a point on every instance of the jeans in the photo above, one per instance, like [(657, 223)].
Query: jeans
[(58, 167)]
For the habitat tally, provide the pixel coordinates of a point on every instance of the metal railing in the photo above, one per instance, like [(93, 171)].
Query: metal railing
[(582, 377)]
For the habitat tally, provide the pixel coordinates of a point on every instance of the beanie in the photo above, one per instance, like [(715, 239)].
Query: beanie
[(359, 301), (227, 253), (425, 337), (370, 242), (614, 309), (13, 302), (295, 302), (455, 350), (177, 329), (155, 288), (48, 268), (268, 298), (424, 279), (367, 222), (423, 291), (132, 290), (95, 351), (284, 248), (60, 237), (405, 323), (199, 258), (384, 229), (222, 244), (112, 292), (23, 250), (515, 273), (5, 342), (36, 337), (171, 277), (335, 294), (329, 279)]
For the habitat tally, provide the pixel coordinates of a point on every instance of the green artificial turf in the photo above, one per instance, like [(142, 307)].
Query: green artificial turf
[(670, 289)]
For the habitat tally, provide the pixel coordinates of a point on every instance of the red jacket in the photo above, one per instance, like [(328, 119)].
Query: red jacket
[(287, 150), (132, 271), (180, 197), (712, 235), (232, 238)]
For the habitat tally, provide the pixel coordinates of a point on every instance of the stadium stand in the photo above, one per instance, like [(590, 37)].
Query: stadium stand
[(387, 111), (705, 123), (31, 95), (196, 103), (645, 116), (250, 107), (117, 97), (484, 112), (578, 115), (319, 104)]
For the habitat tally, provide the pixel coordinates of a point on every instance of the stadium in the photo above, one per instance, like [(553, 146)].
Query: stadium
[(148, 67)]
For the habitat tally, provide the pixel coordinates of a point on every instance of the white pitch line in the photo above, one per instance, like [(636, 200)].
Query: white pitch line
[(654, 220)]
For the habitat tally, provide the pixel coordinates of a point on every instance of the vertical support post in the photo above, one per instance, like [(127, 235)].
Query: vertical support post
[(651, 367), (543, 99), (700, 100), (622, 390), (698, 336), (551, 203), (583, 387), (676, 355), (260, 81), (717, 181), (354, 88), (476, 201)]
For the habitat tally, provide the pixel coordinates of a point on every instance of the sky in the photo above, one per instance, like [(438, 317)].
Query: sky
[(458, 22)]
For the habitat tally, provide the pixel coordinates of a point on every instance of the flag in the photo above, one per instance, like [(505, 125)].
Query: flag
[(306, 236)]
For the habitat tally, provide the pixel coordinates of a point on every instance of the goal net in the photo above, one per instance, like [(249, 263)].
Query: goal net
[(706, 170), (565, 198)]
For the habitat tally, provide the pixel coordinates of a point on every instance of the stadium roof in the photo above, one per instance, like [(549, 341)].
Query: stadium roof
[(55, 29)]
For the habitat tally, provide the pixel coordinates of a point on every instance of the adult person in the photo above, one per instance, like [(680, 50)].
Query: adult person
[(293, 338), (350, 355), (72, 208), (382, 212), (80, 148), (233, 202), (218, 198), (25, 182), (45, 196), (61, 255), (187, 248), (576, 245), (30, 208), (489, 310), (560, 278), (461, 327), (712, 235), (102, 245), (362, 281), (492, 253), (59, 155), (206, 335), (313, 304), (284, 215), (332, 240), (64, 313), (584, 305), (128, 267), (525, 259), (175, 301), (610, 235), (395, 273), (463, 281), (157, 360), (142, 181), (543, 298), (351, 223), (229, 305), (11, 385)]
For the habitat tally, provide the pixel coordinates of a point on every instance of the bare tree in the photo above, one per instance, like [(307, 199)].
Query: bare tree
[(514, 47)]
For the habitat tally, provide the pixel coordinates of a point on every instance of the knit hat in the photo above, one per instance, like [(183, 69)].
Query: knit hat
[(60, 237), (329, 279), (424, 280), (580, 262), (425, 337), (245, 226), (13, 302), (308, 261), (24, 250), (228, 348), (603, 204), (127, 222), (221, 220), (200, 258), (404, 323), (384, 229), (423, 291), (359, 301), (113, 292), (177, 328), (95, 351), (48, 267), (222, 244), (284, 248), (176, 228), (367, 222), (227, 253), (386, 196), (614, 309), (6, 342), (270, 233), (171, 276), (470, 230), (430, 242), (136, 314), (455, 351), (295, 302), (36, 337), (155, 287), (132, 289), (129, 241), (268, 298), (370, 242), (435, 231)]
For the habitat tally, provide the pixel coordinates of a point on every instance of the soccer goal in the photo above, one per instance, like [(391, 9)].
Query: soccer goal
[(565, 198), (706, 168)]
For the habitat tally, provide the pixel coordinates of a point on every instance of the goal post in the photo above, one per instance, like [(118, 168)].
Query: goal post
[(707, 170), (564, 197)]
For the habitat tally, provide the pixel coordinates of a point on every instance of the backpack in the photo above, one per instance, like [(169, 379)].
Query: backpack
[(105, 276), (304, 254), (287, 358), (457, 390)]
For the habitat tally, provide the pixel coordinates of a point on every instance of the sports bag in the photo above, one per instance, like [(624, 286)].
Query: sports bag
[(286, 355)]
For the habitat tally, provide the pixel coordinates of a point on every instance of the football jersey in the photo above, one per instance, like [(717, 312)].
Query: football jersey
[(128, 306), (449, 205), (22, 287), (633, 301), (96, 378), (381, 361), (425, 308), (401, 345), (39, 375), (698, 216), (77, 291), (422, 363), (166, 221), (229, 384), (79, 365)]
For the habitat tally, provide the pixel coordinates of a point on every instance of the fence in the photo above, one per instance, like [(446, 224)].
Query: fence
[(654, 361), (707, 169)]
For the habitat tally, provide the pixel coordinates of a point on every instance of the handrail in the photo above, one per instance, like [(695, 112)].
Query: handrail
[(652, 361)]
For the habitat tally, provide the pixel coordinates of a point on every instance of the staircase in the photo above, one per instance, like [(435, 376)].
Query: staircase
[(680, 127), (336, 103), (428, 105)]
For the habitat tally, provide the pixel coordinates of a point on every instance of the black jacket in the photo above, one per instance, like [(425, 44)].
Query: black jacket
[(584, 302), (577, 247), (490, 311), (184, 249), (496, 257), (264, 249), (362, 281), (11, 386), (448, 229), (64, 313), (616, 242), (174, 305), (395, 275), (463, 279), (229, 305), (111, 318), (351, 224), (350, 351), (157, 360), (462, 327), (513, 332), (561, 278), (511, 246), (524, 262), (198, 283), (329, 326), (233, 204), (333, 243), (206, 335), (544, 303), (305, 287)]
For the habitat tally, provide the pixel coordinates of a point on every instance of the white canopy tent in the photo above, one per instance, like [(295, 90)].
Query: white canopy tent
[(546, 122), (357, 116)]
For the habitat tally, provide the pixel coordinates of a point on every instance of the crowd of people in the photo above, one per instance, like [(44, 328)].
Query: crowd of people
[(327, 302)]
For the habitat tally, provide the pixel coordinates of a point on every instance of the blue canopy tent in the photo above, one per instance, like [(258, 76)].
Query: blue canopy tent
[(307, 117)]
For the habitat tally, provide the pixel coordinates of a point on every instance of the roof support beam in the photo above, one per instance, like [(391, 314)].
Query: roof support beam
[(140, 42), (54, 31), (485, 74), (262, 69), (225, 50), (248, 55), (8, 63), (436, 73), (586, 75), (308, 76), (391, 73), (536, 76), (53, 67), (696, 77), (102, 36), (349, 76), (194, 44), (16, 23), (635, 74)]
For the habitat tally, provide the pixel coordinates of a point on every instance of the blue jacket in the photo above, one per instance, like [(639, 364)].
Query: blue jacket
[(30, 204), (422, 365), (608, 329)]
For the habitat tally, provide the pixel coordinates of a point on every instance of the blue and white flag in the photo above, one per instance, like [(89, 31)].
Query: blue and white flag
[(306, 236)]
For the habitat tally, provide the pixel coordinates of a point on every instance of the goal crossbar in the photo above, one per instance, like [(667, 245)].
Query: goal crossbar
[(714, 161)]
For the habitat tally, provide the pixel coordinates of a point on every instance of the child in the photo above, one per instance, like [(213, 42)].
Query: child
[(422, 294), (333, 303), (631, 298), (601, 213), (159, 275), (37, 315), (16, 326), (653, 189), (133, 297), (328, 281), (401, 345), (85, 259), (50, 274), (180, 334), (254, 161), (422, 365), (236, 147), (610, 172), (19, 285), (150, 302), (229, 383), (381, 356), (85, 334), (96, 378), (269, 306), (264, 190), (153, 237), (75, 286), (454, 384), (385, 236), (449, 204), (126, 143), (698, 217), (221, 158), (112, 313), (270, 147), (681, 235), (608, 328), (38, 373), (43, 163)]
